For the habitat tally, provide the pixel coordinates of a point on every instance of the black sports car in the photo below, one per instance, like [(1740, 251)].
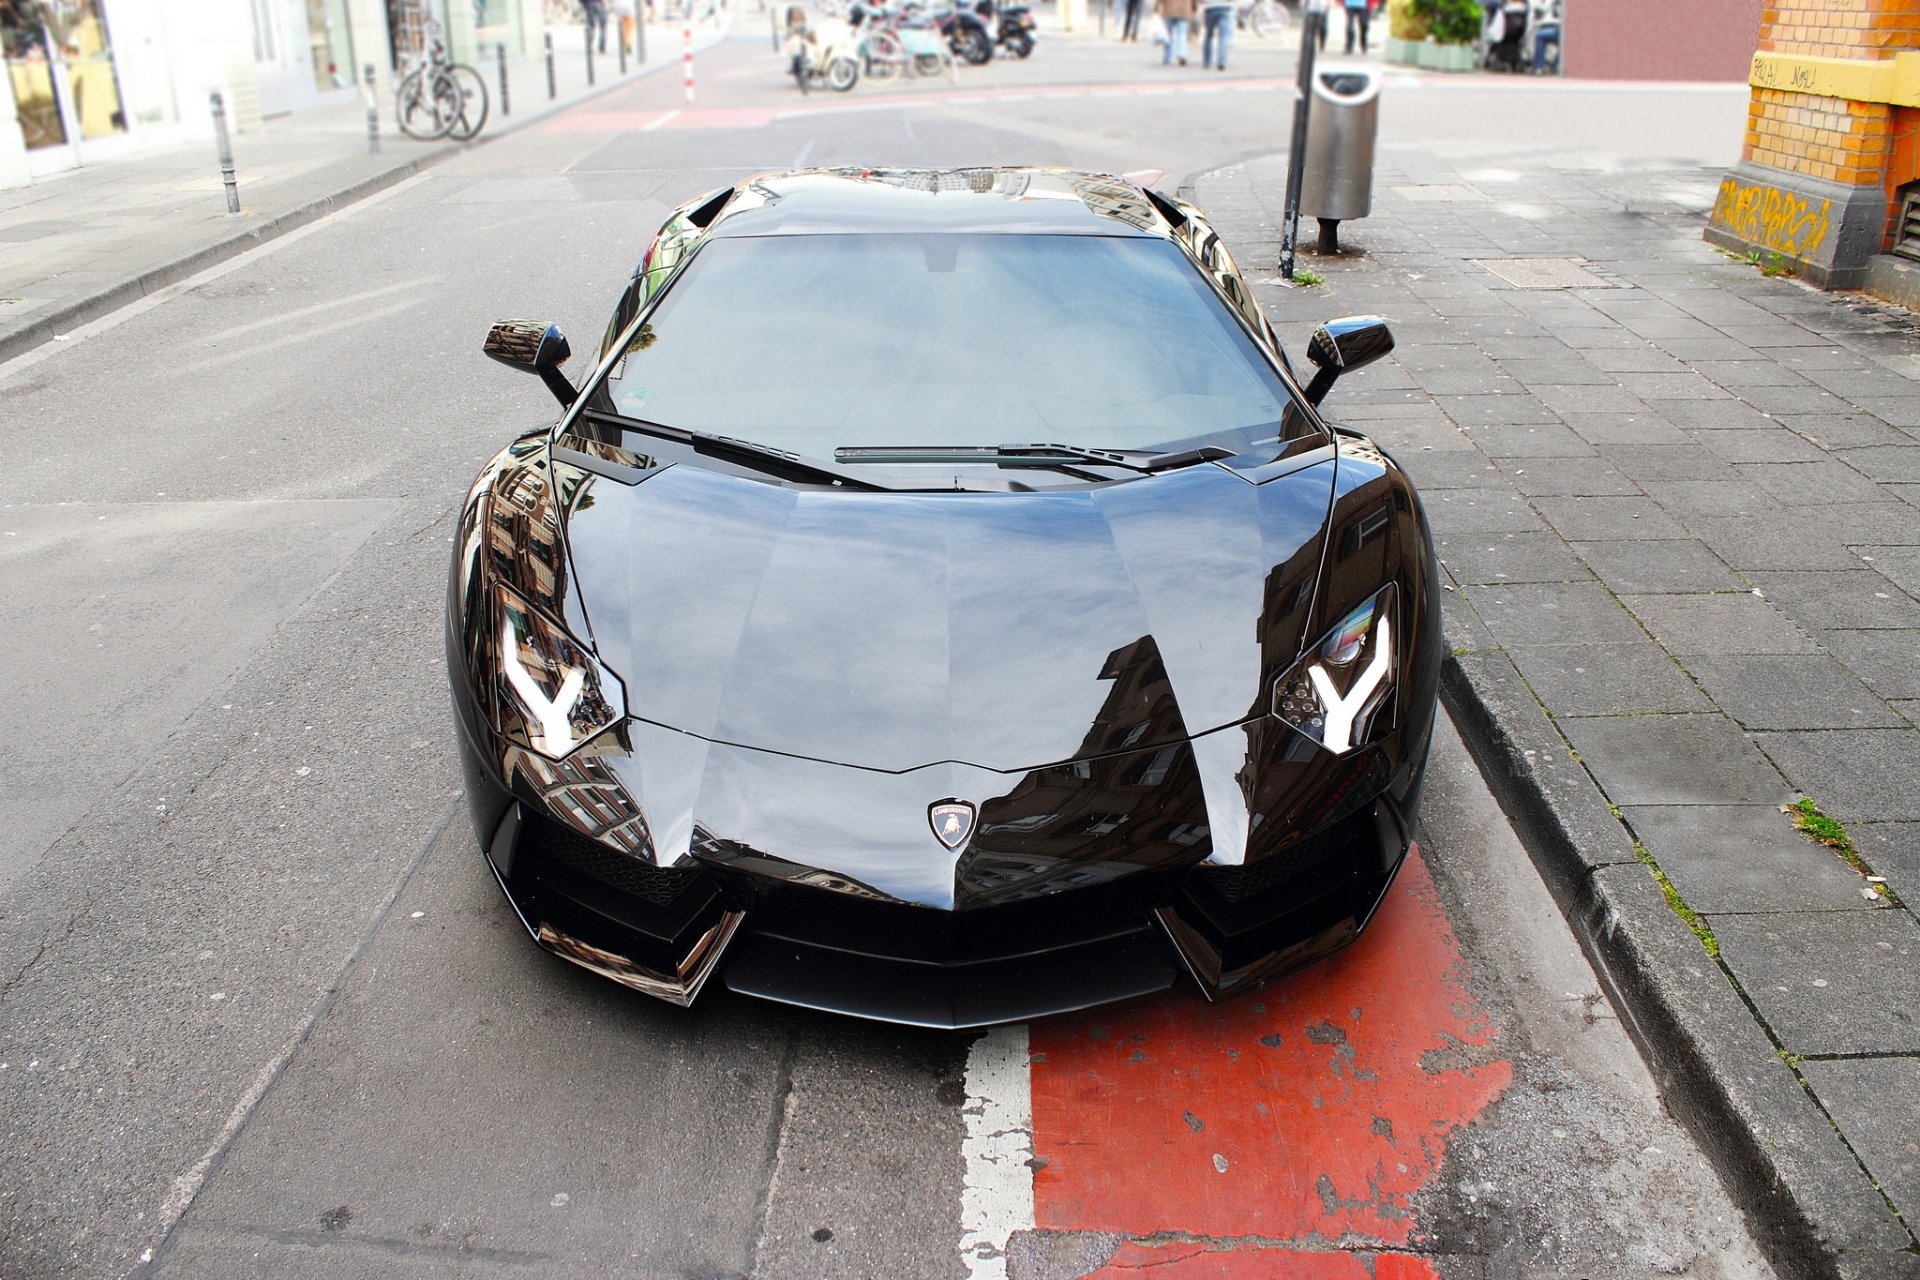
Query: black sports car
[(941, 603)]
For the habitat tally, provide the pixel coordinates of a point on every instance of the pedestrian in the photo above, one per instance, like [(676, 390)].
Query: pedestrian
[(1130, 30), (627, 11), (1218, 33), (1317, 9), (1177, 14), (596, 19), (1359, 14)]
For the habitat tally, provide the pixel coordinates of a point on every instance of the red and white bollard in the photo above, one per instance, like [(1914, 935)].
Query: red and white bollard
[(687, 57)]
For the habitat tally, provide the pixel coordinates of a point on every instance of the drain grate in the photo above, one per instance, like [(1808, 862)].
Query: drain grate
[(1548, 273)]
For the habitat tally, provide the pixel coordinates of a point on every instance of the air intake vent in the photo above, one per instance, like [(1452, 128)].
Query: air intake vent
[(1906, 231)]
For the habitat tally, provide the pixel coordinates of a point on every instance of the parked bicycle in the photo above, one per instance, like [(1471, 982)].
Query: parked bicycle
[(438, 97), (1260, 17)]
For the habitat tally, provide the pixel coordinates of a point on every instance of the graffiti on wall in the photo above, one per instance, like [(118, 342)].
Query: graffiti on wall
[(1781, 221)]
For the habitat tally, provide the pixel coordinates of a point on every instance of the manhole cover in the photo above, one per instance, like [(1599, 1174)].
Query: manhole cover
[(1546, 273), (1439, 193)]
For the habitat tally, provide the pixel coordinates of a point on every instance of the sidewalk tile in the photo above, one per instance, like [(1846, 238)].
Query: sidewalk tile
[(1860, 1095), (1566, 477), (1757, 371), (1900, 565), (1569, 370), (1859, 598), (1496, 410), (1539, 440), (1805, 398), (1449, 468), (1454, 512), (1894, 463), (1743, 858), (1696, 499), (1650, 462), (1901, 409), (1823, 483), (1840, 431), (1640, 427), (1785, 541), (1510, 557), (1630, 677), (1685, 759), (1853, 774), (1884, 659), (1608, 519), (1789, 691), (1671, 386), (1719, 623), (1829, 982), (1642, 359), (1577, 398), (1658, 567), (1553, 613), (1768, 444), (1892, 849)]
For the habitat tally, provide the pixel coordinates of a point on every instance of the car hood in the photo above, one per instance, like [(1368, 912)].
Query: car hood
[(891, 631)]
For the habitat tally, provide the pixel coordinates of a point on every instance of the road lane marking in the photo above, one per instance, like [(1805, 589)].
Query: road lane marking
[(1311, 1111), (996, 1198)]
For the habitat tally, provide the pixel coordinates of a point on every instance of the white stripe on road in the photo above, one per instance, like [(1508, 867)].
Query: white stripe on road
[(996, 1200)]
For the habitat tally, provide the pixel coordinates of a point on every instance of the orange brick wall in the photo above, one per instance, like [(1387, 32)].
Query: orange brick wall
[(1840, 28), (1829, 138)]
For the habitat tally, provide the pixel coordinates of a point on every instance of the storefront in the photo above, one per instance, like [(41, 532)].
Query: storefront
[(303, 53), (63, 82)]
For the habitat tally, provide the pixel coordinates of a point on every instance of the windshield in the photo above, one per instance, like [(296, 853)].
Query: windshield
[(810, 343)]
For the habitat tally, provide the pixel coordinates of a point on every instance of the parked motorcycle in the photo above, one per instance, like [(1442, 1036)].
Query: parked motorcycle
[(1011, 24), (965, 31), (811, 60)]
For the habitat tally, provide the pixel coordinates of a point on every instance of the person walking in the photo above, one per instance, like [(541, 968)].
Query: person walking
[(1359, 14), (1217, 33), (1177, 14), (1130, 30), (596, 18)]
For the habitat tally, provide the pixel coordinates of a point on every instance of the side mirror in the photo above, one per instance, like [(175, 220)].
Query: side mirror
[(537, 348), (1341, 346)]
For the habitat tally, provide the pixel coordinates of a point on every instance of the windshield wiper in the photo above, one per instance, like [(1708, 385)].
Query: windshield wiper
[(745, 453), (1033, 455)]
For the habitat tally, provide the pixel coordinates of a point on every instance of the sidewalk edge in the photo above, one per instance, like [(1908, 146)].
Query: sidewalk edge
[(43, 328), (1807, 1200)]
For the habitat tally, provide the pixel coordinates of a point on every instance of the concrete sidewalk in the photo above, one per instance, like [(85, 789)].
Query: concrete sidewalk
[(77, 245), (1678, 505)]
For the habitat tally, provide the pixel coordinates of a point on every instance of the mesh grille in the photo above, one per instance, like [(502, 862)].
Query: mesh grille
[(656, 885), (1906, 233), (1297, 859)]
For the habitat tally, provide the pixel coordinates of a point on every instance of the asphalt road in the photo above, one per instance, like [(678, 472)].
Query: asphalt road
[(263, 1012)]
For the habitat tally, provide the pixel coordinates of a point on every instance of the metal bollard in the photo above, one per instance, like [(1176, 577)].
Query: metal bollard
[(640, 34), (552, 91), (623, 48), (687, 56), (225, 146), (589, 31), (373, 114), (506, 105)]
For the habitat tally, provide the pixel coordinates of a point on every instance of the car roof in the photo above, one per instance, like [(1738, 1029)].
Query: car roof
[(1015, 201)]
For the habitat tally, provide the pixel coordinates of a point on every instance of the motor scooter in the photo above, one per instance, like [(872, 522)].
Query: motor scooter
[(1011, 25), (812, 60)]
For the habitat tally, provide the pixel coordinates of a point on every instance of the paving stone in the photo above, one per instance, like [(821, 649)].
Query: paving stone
[(1567, 371), (1629, 677), (1900, 565), (1811, 484), (1685, 759), (1642, 359), (1529, 442), (1780, 540), (1689, 498), (1854, 774), (1892, 849), (1864, 380), (1671, 386), (1804, 398), (1775, 335), (1600, 337), (1651, 462), (1887, 463), (1626, 428), (1589, 399), (1901, 410), (1712, 415), (1770, 444), (1485, 510), (1508, 410), (1607, 519), (1658, 566), (1568, 476), (1760, 372), (1884, 659), (1510, 557), (1466, 382), (1829, 982), (1836, 431), (1789, 691), (1858, 598), (1450, 468), (1860, 1094), (1691, 349), (1726, 623), (1553, 613), (1744, 858)]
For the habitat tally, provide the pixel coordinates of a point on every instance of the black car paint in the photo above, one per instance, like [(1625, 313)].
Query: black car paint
[(806, 671)]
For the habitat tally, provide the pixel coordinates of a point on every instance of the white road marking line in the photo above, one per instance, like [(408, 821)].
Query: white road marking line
[(661, 121), (996, 1199)]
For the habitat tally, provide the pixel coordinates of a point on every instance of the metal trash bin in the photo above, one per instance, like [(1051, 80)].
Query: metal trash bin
[(1342, 124)]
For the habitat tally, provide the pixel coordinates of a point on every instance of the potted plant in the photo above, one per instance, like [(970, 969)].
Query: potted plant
[(1406, 32), (1453, 28)]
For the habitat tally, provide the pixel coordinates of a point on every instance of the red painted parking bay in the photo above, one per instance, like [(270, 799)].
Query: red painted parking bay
[(1284, 1134)]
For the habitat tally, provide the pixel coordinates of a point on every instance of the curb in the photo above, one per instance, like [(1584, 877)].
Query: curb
[(41, 329), (1808, 1202)]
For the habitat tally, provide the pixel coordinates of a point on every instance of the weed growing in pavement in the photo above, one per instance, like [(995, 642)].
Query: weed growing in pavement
[(1770, 264), (1461, 650), (1675, 903), (1308, 278), (1819, 828)]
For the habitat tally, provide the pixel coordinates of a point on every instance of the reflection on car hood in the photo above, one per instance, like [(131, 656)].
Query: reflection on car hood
[(1003, 631)]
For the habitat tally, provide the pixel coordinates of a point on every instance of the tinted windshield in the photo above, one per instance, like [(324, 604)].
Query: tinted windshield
[(813, 342)]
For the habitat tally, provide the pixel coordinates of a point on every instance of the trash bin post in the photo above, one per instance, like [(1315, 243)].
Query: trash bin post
[(1338, 180), (1314, 12)]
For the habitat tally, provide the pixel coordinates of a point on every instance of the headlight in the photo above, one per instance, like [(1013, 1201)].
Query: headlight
[(1342, 685), (551, 695)]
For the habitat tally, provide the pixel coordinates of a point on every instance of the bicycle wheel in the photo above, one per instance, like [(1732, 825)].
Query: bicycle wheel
[(1269, 19), (427, 104), (885, 56), (473, 102)]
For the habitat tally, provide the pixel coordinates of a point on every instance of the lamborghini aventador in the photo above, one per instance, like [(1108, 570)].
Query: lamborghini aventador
[(941, 602)]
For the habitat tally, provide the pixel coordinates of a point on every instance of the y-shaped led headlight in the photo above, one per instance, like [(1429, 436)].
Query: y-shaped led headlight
[(552, 694), (1341, 685)]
